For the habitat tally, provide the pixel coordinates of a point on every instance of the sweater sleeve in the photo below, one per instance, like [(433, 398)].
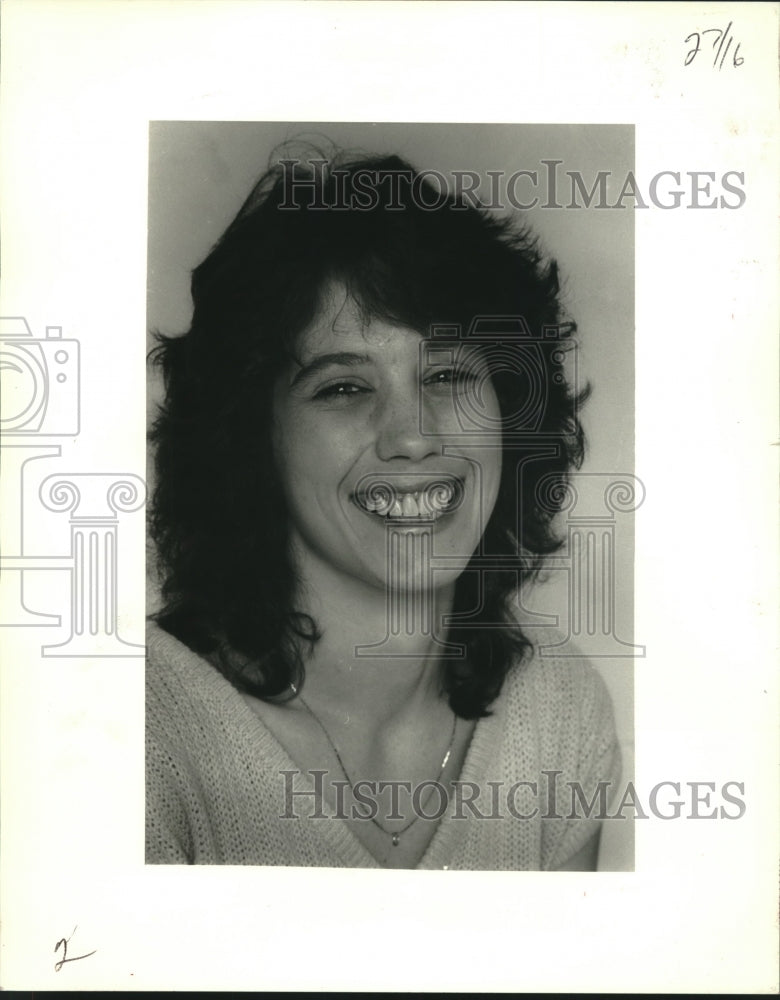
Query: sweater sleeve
[(171, 784), (588, 784), (168, 839)]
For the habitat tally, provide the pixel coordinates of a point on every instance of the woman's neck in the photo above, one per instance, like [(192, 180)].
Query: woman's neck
[(380, 653)]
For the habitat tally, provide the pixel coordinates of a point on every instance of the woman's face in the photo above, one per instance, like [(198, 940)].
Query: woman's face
[(383, 439)]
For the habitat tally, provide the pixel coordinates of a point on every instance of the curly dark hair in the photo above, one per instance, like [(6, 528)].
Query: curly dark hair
[(411, 254)]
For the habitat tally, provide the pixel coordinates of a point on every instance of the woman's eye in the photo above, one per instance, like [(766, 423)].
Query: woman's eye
[(340, 390), (457, 379)]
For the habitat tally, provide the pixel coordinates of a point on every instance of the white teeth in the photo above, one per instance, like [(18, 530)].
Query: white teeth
[(428, 504), (409, 506)]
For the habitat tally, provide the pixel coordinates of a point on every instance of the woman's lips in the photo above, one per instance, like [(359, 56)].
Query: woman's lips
[(409, 501)]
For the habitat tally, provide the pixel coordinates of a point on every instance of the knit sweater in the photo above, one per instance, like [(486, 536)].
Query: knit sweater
[(215, 792)]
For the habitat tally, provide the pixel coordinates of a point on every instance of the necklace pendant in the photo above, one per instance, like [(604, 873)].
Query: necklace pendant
[(396, 838)]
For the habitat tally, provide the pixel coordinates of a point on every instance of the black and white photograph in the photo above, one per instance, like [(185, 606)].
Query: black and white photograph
[(369, 442), (388, 591)]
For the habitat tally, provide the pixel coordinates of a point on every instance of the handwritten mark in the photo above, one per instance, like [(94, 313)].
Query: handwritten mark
[(722, 38), (63, 943)]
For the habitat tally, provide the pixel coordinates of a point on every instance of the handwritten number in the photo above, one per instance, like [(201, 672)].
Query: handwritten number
[(720, 38), (720, 46), (63, 943), (694, 52)]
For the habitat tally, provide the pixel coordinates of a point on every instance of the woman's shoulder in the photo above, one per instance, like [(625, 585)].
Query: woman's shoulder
[(560, 681), (559, 699), (169, 661), (181, 684)]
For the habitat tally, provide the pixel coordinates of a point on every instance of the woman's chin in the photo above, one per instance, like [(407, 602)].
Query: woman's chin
[(402, 582)]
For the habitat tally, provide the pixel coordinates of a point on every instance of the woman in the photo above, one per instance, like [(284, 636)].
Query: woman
[(350, 461)]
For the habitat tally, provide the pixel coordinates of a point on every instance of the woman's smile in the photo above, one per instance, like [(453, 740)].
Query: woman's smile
[(409, 501), (370, 437)]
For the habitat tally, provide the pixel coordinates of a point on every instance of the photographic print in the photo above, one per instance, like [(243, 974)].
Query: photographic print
[(389, 498), (313, 516)]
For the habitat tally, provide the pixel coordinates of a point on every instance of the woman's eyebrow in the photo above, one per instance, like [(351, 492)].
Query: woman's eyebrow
[(320, 361)]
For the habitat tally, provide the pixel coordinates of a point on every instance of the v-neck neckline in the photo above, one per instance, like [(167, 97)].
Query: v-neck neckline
[(444, 840), (266, 752)]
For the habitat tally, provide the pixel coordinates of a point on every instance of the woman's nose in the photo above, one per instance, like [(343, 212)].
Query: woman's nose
[(400, 432)]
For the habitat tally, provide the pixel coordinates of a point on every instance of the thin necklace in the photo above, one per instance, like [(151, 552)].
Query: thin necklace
[(395, 834)]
